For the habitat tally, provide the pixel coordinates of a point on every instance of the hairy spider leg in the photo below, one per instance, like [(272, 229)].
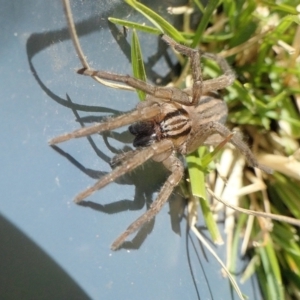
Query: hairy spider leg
[(163, 93), (136, 160), (224, 80), (170, 93), (145, 113), (209, 128), (201, 87), (194, 56), (175, 166)]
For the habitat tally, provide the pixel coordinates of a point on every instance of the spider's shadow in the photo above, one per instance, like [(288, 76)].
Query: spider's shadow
[(144, 188)]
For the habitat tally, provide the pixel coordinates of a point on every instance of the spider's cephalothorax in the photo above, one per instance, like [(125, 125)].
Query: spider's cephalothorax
[(176, 121), (171, 121)]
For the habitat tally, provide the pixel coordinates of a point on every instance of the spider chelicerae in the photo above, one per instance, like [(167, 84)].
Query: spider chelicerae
[(169, 123)]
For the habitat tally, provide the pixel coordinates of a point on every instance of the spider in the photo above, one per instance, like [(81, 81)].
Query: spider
[(169, 123)]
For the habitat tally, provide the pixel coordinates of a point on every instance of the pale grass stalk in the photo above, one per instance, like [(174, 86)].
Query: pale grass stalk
[(79, 51)]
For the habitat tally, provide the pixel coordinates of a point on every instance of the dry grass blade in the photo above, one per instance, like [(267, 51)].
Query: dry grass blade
[(281, 218), (192, 220), (80, 54)]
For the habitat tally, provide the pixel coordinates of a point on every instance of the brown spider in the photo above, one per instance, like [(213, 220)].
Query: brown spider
[(170, 122)]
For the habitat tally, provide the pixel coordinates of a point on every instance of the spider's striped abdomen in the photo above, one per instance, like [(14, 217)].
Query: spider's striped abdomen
[(211, 108)]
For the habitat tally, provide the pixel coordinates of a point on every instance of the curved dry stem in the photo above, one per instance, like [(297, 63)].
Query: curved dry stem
[(80, 54), (281, 218)]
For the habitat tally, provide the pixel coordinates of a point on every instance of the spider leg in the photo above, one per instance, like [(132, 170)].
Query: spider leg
[(202, 87), (194, 55), (208, 129), (224, 80), (122, 157), (136, 160), (173, 164), (145, 113), (163, 93)]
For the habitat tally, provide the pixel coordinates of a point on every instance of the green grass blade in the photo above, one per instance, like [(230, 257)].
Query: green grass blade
[(211, 6), (197, 181), (135, 25), (272, 283), (138, 63), (157, 20)]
